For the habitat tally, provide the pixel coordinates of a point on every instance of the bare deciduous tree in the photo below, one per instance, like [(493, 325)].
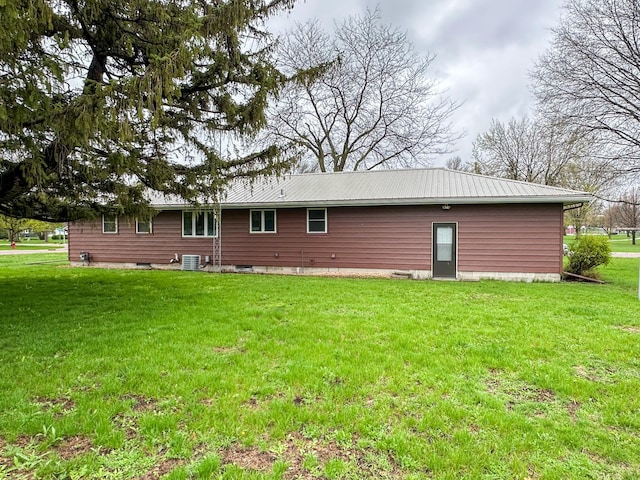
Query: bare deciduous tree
[(456, 163), (590, 76), (540, 152), (626, 213), (363, 98)]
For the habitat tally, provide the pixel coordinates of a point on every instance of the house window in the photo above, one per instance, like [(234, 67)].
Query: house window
[(316, 220), (199, 224), (143, 226), (263, 221), (109, 224)]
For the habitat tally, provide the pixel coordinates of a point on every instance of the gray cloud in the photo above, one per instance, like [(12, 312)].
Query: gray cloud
[(484, 49)]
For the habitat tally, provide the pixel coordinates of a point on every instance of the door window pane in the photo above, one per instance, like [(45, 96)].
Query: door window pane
[(444, 244)]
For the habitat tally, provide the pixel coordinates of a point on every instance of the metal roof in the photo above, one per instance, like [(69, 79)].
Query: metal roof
[(388, 187)]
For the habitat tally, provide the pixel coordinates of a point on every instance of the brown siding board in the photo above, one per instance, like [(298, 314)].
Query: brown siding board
[(363, 237), (491, 238), (126, 246)]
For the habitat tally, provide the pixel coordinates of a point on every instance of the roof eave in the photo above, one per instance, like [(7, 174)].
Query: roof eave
[(564, 200)]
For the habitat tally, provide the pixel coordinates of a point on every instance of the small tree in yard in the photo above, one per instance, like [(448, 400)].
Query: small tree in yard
[(587, 253)]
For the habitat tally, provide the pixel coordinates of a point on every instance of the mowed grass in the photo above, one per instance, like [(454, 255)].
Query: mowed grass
[(622, 243), (53, 245), (181, 375)]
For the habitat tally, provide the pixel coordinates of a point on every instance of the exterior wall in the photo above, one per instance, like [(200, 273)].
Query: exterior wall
[(491, 238), (510, 238), (521, 242), (365, 237), (126, 246)]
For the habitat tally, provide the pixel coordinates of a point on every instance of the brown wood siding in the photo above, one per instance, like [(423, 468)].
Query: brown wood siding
[(364, 237), (126, 246), (491, 238), (509, 238)]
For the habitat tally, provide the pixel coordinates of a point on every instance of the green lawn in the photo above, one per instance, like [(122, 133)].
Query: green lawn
[(139, 374), (622, 243), (32, 245)]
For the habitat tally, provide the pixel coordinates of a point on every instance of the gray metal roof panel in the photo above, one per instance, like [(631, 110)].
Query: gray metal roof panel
[(380, 187)]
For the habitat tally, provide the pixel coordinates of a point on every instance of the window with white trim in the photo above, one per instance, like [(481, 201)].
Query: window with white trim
[(199, 224), (262, 221), (109, 223), (316, 220), (143, 226)]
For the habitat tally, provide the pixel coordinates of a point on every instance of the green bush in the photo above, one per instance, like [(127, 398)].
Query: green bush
[(587, 253)]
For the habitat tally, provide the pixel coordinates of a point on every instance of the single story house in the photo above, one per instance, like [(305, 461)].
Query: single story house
[(423, 223)]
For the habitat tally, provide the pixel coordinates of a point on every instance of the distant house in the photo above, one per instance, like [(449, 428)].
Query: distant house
[(424, 223)]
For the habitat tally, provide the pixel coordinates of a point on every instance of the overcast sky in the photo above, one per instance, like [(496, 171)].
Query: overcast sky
[(484, 49)]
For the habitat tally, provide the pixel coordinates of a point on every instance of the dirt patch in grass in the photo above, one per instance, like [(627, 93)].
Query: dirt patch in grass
[(596, 373), (257, 403), (296, 451), (629, 329), (4, 461), (249, 458), (542, 395), (254, 403), (517, 391), (162, 468), (127, 424), (572, 409), (141, 403), (228, 350), (22, 443), (75, 446), (60, 406)]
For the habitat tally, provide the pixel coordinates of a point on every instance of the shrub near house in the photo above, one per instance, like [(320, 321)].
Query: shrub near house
[(587, 253)]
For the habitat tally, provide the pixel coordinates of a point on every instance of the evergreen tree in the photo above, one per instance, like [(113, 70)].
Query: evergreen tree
[(104, 100)]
